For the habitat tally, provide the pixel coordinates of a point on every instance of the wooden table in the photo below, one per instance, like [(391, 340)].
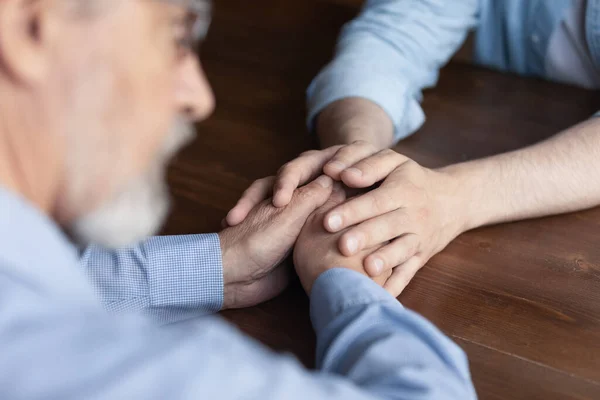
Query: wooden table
[(522, 299)]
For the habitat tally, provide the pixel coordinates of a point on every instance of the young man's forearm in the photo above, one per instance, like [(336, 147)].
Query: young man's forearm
[(559, 175), (348, 120)]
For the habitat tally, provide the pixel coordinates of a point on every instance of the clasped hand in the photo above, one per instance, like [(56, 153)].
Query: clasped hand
[(389, 232), (253, 250)]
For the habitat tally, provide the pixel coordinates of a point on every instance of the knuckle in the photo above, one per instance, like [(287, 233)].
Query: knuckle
[(413, 168), (372, 233), (280, 181), (415, 249), (309, 153), (255, 183), (369, 147), (394, 253), (247, 191), (342, 154), (388, 153), (284, 169), (382, 202), (412, 165), (350, 211), (306, 193), (420, 260), (279, 185), (423, 214), (367, 166), (388, 231), (335, 148), (388, 274), (401, 219), (417, 246), (361, 143), (409, 249), (415, 263), (253, 186), (262, 181)]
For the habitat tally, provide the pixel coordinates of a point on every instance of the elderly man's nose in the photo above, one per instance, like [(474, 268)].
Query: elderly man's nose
[(194, 95)]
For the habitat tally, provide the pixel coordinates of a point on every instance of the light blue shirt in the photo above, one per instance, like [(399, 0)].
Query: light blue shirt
[(395, 48), (59, 342)]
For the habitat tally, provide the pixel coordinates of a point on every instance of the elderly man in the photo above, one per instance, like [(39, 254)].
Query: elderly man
[(95, 97), (368, 98)]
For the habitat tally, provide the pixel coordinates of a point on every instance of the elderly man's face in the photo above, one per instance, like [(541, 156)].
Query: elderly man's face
[(128, 90)]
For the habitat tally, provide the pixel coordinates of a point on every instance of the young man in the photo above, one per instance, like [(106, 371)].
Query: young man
[(368, 98)]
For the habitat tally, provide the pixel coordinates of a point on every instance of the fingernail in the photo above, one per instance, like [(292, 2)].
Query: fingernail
[(352, 245), (324, 181), (335, 222), (378, 264), (337, 165), (354, 171)]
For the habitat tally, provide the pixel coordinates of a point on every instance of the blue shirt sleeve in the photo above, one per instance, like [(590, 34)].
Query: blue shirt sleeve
[(366, 335), (167, 277), (59, 342), (369, 347), (390, 53)]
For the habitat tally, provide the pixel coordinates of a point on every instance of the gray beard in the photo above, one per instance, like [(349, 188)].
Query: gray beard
[(139, 209)]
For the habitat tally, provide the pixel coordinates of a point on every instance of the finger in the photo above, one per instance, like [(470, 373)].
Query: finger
[(375, 231), (373, 169), (256, 193), (370, 205), (382, 279), (347, 156), (338, 196), (248, 294), (396, 253), (224, 223), (275, 281), (308, 198), (275, 230), (402, 276), (299, 171)]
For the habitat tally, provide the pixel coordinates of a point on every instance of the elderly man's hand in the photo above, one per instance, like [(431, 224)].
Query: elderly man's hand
[(306, 167), (253, 250), (317, 251)]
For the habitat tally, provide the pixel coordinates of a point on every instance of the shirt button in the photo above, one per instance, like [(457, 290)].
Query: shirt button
[(535, 38)]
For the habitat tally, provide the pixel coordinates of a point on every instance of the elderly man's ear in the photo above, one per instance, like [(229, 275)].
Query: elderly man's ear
[(27, 31)]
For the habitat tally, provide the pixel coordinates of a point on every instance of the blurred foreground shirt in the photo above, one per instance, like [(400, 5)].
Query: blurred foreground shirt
[(59, 342)]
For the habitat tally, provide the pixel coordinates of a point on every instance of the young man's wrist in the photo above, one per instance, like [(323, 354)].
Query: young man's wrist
[(475, 207), (348, 120)]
